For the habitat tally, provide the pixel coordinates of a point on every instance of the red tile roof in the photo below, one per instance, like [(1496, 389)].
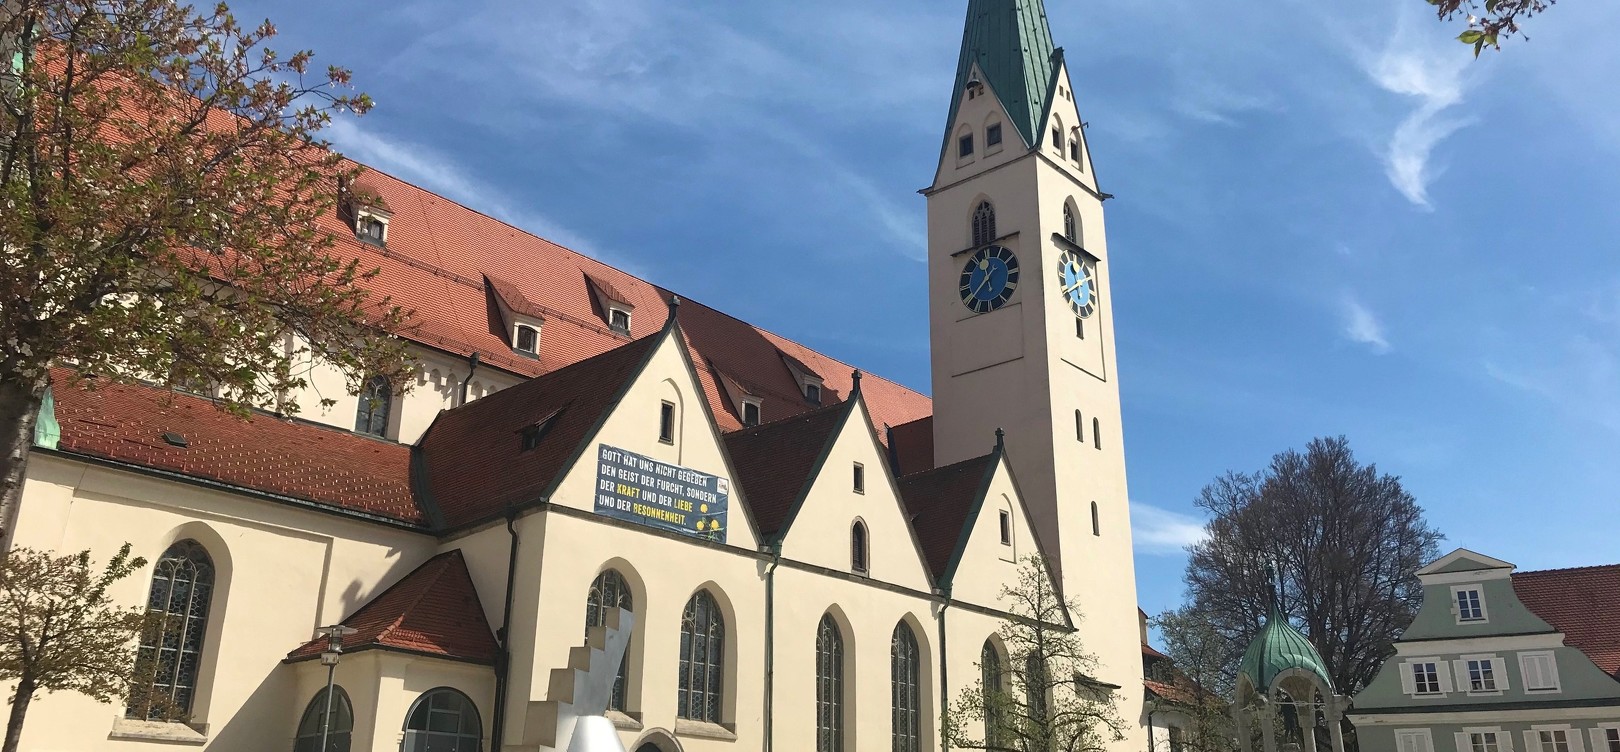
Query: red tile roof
[(941, 503), (913, 446), (776, 462), (1583, 603), (473, 462), (434, 610), (335, 468)]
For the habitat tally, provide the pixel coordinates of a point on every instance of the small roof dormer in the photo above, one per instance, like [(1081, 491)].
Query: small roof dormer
[(611, 304), (811, 384), (362, 206), (514, 317)]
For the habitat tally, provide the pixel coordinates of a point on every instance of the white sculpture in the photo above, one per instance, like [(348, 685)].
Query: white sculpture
[(574, 715)]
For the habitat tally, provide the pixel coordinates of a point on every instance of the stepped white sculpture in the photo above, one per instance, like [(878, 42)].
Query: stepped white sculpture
[(574, 715)]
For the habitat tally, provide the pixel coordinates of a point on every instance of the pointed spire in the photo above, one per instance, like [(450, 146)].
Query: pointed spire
[(1011, 43), (674, 310), (856, 377), (1001, 440)]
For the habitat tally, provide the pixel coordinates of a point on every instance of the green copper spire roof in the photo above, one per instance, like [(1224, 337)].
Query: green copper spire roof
[(1279, 648), (1012, 44)]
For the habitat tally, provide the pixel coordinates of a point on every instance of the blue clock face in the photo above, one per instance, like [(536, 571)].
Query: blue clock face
[(989, 279), (1077, 283)]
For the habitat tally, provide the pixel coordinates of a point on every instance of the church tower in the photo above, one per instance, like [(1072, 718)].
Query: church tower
[(1022, 321)]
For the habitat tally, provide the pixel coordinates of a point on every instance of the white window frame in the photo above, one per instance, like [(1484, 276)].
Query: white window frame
[(1499, 679), (1552, 670), (364, 214), (629, 318), (1424, 737), (1572, 738), (1504, 740), (1442, 677), (1600, 737), (1456, 608), (821, 390), (519, 327), (759, 411)]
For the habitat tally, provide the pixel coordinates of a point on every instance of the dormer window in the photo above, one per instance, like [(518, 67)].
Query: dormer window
[(372, 230), (619, 320), (812, 392), (750, 413), (526, 340), (1470, 603)]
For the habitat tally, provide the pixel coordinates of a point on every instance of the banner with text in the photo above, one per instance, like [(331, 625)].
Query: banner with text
[(640, 489)]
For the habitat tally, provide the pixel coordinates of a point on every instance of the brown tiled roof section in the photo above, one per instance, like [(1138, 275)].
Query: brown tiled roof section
[(295, 459), (799, 365), (912, 445), (1583, 603), (473, 462), (434, 610), (774, 462), (514, 299), (608, 292), (940, 502)]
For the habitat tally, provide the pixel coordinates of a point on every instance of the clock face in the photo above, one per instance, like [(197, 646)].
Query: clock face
[(989, 279), (1077, 283)]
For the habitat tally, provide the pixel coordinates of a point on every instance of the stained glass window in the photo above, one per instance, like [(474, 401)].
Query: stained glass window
[(829, 687), (984, 224), (609, 591), (376, 399), (443, 720), (170, 653), (314, 724), (905, 690), (703, 659)]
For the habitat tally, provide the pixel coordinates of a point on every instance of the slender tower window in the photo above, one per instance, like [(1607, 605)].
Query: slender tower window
[(906, 692), (1079, 427), (610, 591), (1096, 433), (984, 224), (1096, 520), (829, 686), (857, 547)]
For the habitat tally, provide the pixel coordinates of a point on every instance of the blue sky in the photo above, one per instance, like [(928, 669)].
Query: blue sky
[(1329, 217)]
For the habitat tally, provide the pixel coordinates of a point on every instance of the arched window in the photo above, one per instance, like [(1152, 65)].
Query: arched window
[(1096, 520), (1079, 427), (610, 591), (993, 685), (984, 224), (170, 654), (905, 690), (1069, 229), (314, 724), (1096, 433), (703, 659), (376, 399), (829, 686), (1035, 687), (857, 546), (443, 720)]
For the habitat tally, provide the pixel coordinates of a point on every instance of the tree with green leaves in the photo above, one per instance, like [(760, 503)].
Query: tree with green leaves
[(1197, 674), (162, 181), (59, 630), (1489, 21), (1035, 692)]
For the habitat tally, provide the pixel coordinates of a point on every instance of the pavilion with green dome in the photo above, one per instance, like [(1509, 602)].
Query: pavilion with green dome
[(1281, 669)]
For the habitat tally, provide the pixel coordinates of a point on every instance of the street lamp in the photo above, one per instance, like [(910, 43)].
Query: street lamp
[(329, 658)]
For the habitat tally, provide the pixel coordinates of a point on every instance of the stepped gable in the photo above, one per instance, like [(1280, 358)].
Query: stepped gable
[(433, 611), (941, 503), (295, 459), (776, 463), (439, 254), (471, 462), (1583, 603)]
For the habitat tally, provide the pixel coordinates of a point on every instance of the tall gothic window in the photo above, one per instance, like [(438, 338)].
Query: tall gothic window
[(905, 690), (1069, 230), (829, 686), (314, 724), (984, 224), (170, 654), (443, 720), (857, 547), (610, 591), (1035, 687), (703, 659), (991, 673), (376, 399)]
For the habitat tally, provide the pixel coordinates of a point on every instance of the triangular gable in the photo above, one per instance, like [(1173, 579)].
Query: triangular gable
[(1463, 560), (778, 463), (433, 611), (830, 506)]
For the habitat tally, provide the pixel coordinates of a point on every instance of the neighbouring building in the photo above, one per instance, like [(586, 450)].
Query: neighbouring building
[(1176, 710), (813, 557), (1501, 661)]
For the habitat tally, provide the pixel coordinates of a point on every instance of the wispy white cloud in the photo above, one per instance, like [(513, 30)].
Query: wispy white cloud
[(1434, 78), (1362, 326), (1163, 532)]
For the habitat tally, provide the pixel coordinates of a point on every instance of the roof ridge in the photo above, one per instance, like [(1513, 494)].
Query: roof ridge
[(1568, 570), (942, 468)]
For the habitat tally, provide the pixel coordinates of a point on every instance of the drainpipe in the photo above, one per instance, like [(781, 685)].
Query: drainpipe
[(503, 659), (944, 682), (770, 638), (1153, 744), (472, 367)]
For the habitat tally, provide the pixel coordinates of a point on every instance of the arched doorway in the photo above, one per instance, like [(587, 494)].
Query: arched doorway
[(656, 740)]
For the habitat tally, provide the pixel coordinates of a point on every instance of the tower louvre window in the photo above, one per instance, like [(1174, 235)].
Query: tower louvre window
[(964, 146), (984, 224), (1057, 138), (1074, 150), (992, 135)]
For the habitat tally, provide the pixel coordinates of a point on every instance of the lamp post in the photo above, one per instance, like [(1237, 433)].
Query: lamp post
[(329, 658)]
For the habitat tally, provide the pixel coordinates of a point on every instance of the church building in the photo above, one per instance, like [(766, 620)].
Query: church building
[(813, 556)]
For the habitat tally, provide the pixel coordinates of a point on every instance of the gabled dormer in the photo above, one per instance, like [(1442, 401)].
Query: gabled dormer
[(514, 317), (611, 304), (362, 206), (811, 385)]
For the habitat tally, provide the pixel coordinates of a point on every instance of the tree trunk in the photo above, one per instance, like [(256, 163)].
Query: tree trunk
[(19, 409), (19, 709)]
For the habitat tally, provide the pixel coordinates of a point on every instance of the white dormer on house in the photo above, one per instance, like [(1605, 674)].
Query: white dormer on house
[(367, 213), (520, 318), (611, 304), (526, 337), (810, 382), (748, 404)]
